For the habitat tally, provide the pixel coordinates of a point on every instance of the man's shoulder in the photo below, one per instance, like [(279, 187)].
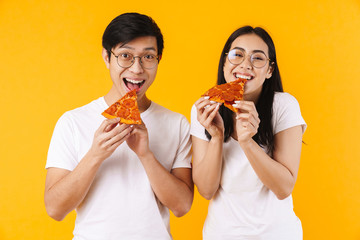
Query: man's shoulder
[(95, 106), (161, 111), (87, 112)]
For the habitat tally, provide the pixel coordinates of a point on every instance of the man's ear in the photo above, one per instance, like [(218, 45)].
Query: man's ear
[(106, 57)]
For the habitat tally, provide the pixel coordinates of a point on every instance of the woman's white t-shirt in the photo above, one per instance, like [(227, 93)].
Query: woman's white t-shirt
[(243, 207)]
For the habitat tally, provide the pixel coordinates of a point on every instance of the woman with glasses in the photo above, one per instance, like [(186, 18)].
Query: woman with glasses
[(247, 162)]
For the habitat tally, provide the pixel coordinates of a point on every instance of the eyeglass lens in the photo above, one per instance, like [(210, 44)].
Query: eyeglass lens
[(257, 59), (126, 60)]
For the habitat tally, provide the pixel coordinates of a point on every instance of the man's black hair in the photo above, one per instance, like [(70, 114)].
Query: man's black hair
[(128, 26)]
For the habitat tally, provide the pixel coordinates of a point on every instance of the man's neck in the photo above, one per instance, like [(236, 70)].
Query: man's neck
[(143, 103)]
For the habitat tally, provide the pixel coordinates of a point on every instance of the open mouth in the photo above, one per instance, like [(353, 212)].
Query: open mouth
[(243, 76), (133, 84)]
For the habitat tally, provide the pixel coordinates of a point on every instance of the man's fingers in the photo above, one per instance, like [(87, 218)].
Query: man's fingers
[(120, 137), (108, 128), (106, 124)]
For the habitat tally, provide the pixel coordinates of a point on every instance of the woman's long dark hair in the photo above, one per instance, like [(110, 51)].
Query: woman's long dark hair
[(264, 136)]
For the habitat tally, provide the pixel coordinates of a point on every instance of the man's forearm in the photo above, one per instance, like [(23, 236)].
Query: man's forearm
[(65, 190), (174, 190)]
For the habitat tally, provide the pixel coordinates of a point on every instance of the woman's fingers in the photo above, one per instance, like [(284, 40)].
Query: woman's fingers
[(248, 118), (246, 106), (202, 103), (208, 113), (213, 110)]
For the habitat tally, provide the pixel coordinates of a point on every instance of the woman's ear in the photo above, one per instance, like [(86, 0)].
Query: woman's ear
[(270, 71), (106, 57)]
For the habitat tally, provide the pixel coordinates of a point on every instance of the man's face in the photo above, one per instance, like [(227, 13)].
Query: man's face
[(136, 76)]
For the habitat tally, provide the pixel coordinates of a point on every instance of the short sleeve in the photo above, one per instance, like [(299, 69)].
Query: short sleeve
[(197, 129), (286, 113), (183, 155), (62, 150)]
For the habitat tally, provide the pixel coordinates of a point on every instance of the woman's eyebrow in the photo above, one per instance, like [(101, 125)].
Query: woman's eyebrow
[(261, 51), (254, 51), (239, 48)]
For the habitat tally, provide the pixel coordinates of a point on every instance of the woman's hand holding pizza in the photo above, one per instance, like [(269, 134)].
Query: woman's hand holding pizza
[(247, 121), (209, 117)]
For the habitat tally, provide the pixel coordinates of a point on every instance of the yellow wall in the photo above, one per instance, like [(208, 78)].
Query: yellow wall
[(50, 62)]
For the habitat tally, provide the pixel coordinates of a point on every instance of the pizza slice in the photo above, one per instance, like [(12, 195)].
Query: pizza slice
[(126, 108), (227, 93)]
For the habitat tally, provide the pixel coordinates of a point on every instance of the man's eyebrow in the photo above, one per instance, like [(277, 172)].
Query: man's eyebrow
[(150, 48), (131, 48)]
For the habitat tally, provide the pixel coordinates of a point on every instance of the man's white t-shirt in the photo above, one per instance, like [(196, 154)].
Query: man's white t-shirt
[(243, 207), (120, 203)]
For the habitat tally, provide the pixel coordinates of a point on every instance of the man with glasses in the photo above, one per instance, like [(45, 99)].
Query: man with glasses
[(122, 179)]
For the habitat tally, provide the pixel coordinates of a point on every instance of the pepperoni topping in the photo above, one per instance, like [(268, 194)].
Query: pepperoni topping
[(227, 93), (126, 108), (128, 103)]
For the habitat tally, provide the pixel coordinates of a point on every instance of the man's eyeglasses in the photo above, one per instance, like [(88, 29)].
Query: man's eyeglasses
[(126, 60), (257, 59)]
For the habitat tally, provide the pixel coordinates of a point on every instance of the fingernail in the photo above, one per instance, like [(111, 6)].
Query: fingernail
[(131, 126), (206, 97), (212, 102), (237, 101), (207, 106)]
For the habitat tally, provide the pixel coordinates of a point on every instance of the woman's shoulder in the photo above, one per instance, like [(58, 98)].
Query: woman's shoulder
[(286, 112), (284, 97)]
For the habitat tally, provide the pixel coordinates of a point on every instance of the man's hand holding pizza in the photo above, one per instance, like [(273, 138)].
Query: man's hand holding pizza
[(108, 137)]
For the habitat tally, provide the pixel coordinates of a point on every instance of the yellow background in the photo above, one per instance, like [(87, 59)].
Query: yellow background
[(50, 62)]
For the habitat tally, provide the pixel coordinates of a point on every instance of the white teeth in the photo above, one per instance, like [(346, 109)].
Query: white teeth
[(243, 76), (134, 81)]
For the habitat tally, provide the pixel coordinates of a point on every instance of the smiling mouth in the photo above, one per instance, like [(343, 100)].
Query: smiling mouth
[(243, 77), (133, 84)]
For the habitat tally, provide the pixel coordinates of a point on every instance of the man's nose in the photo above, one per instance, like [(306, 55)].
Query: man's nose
[(136, 67)]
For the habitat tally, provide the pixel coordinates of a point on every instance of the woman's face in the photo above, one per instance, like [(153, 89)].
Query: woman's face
[(248, 44)]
